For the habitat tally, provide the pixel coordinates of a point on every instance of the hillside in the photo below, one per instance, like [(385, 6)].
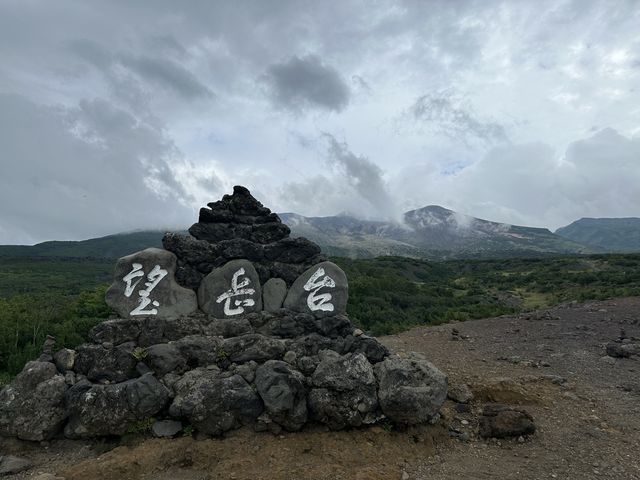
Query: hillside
[(111, 246), (611, 234), (432, 232)]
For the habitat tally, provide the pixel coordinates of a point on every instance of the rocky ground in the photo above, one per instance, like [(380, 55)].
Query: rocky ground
[(585, 405)]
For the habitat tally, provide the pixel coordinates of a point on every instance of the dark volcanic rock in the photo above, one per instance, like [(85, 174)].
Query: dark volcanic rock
[(344, 391), (623, 350), (284, 394), (501, 421), (239, 216), (273, 293), (410, 391), (100, 364), (10, 465), (32, 407), (240, 227), (99, 410), (214, 404), (254, 347)]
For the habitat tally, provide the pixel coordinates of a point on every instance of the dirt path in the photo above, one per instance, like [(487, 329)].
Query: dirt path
[(587, 411)]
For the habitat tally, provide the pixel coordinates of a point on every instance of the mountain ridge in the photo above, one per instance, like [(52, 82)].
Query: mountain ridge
[(432, 232)]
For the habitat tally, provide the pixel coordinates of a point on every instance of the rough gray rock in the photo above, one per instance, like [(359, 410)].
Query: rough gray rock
[(502, 421), (199, 351), (410, 391), (253, 346), (166, 428), (369, 346), (460, 393), (144, 286), (322, 291), (106, 364), (214, 404), (623, 350), (283, 392), (117, 331), (231, 291), (100, 410), (344, 391), (32, 406), (10, 465), (164, 358), (273, 293), (227, 327), (65, 359)]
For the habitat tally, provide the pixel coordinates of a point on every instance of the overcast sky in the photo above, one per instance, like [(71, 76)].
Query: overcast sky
[(120, 115)]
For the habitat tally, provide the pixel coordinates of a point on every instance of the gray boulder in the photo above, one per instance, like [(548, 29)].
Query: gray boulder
[(65, 359), (10, 465), (214, 404), (100, 410), (344, 391), (231, 291), (117, 331), (273, 293), (283, 392), (106, 364), (410, 391), (144, 286), (623, 350), (164, 358), (166, 428), (322, 290), (227, 327), (199, 350), (253, 346), (32, 406), (369, 346)]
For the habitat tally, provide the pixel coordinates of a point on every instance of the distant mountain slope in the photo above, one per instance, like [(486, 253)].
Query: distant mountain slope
[(611, 234), (111, 246), (431, 232)]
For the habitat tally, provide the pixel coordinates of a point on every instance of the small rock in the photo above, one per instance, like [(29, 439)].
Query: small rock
[(608, 360), (460, 393), (357, 332), (10, 465), (274, 292), (502, 421), (166, 428), (405, 475), (290, 357)]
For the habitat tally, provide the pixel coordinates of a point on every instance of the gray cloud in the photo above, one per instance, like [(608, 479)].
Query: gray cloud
[(302, 83), (363, 175), (93, 170), (169, 74), (163, 71), (449, 115)]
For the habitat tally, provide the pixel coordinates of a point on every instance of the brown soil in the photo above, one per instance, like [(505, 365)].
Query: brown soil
[(587, 412)]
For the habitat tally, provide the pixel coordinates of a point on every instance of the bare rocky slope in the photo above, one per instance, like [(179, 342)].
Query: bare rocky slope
[(553, 363)]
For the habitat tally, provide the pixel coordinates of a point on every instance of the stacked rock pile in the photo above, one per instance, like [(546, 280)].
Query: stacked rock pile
[(237, 324)]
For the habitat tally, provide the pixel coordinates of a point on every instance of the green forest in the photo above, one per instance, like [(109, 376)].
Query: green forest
[(64, 297)]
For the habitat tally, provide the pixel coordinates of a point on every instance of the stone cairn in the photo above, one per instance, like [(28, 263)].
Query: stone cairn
[(236, 324)]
